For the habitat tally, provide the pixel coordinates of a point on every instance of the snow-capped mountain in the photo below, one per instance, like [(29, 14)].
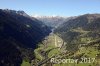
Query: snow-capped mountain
[(52, 21)]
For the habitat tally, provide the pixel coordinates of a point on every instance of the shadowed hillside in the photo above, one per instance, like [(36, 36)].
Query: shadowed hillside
[(19, 34)]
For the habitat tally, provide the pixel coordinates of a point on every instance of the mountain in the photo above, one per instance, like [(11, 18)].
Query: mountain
[(83, 29), (52, 21), (19, 36)]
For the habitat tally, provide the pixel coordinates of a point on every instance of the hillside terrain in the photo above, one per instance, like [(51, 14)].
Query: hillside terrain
[(82, 37), (81, 30), (19, 36)]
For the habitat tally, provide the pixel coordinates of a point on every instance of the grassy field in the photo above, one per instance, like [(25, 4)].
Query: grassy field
[(24, 63)]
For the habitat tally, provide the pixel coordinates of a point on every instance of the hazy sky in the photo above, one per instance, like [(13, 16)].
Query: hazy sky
[(53, 7)]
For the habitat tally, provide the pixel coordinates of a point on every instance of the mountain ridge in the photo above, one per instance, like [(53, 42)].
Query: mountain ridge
[(19, 36), (81, 30)]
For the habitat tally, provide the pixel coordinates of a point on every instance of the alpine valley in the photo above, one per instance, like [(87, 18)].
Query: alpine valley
[(33, 41)]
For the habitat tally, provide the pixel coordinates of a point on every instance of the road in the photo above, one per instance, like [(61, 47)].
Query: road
[(55, 41)]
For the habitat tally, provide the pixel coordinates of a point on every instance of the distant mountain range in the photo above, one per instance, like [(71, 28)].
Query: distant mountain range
[(19, 36), (52, 21)]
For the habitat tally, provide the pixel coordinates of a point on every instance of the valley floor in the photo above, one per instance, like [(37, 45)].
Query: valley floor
[(54, 47)]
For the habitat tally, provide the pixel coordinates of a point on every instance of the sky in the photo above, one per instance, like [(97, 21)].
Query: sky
[(53, 7)]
